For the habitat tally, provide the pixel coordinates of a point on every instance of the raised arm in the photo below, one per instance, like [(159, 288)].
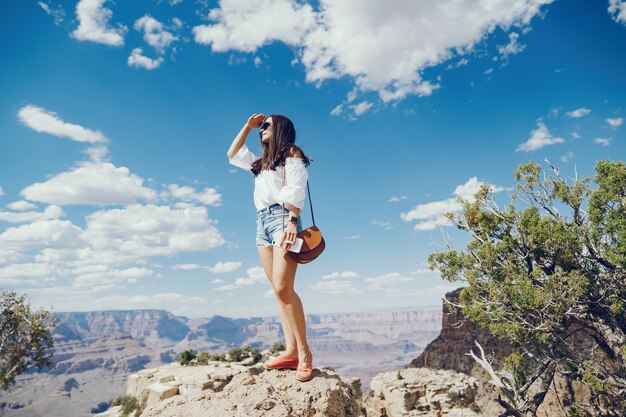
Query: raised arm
[(253, 122)]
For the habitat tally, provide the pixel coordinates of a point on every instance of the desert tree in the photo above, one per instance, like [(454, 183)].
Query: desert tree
[(25, 338), (546, 272)]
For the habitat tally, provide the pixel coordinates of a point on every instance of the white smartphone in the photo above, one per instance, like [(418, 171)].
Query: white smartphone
[(296, 247)]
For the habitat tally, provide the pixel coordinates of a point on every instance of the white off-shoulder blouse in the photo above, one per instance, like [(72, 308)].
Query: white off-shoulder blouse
[(268, 184)]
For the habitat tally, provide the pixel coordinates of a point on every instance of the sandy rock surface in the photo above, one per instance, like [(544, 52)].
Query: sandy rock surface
[(274, 393), (153, 385)]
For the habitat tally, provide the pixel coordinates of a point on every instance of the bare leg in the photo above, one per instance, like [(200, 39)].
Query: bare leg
[(284, 274), (291, 350)]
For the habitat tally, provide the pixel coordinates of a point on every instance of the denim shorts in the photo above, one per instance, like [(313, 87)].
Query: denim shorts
[(269, 221)]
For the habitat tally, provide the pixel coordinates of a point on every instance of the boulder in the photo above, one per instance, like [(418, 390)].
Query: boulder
[(152, 385), (422, 392), (158, 392)]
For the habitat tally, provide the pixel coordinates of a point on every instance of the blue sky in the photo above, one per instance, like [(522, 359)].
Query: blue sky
[(115, 118)]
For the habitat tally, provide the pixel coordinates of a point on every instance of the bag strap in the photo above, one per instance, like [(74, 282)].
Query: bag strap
[(310, 202)]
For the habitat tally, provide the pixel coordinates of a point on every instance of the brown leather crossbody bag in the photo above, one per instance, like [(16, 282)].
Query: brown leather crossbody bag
[(313, 243)]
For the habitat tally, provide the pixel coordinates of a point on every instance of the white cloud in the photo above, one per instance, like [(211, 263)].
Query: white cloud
[(397, 199), (43, 233), (155, 34), (246, 27), (432, 223), (458, 64), (257, 274), (58, 14), (603, 141), (27, 274), (257, 61), (227, 287), (617, 122), (98, 153), (554, 112), (353, 237), (1, 192), (101, 256), (9, 255), (387, 280), (359, 38), (177, 23), (424, 272), (111, 277), (91, 183), (19, 205), (617, 9), (383, 224), (208, 196), (150, 230), (244, 281), (438, 292), (224, 267), (335, 287), (337, 110), (578, 113), (539, 138), (471, 187), (336, 275), (136, 59), (184, 193), (433, 214), (94, 24), (185, 267), (361, 107), (236, 60), (217, 281), (567, 157), (432, 209), (512, 48), (42, 120), (51, 212), (68, 298), (157, 300)]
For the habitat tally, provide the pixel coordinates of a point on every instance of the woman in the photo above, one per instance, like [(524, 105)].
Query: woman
[(278, 136)]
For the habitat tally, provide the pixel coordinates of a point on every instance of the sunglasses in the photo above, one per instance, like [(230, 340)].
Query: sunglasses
[(265, 126)]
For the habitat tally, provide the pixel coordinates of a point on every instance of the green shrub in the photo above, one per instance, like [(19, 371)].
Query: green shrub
[(128, 403), (204, 358), (187, 356), (239, 354), (277, 347)]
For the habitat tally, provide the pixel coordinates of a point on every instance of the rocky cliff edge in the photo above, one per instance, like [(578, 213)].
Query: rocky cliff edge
[(274, 393)]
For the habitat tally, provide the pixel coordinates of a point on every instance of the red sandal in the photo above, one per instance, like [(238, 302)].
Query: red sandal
[(280, 363), (304, 371)]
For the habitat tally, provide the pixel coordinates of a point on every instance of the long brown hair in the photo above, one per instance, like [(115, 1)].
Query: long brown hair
[(281, 145)]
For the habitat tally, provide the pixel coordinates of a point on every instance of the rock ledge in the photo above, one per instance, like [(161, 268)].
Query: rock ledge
[(273, 393)]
